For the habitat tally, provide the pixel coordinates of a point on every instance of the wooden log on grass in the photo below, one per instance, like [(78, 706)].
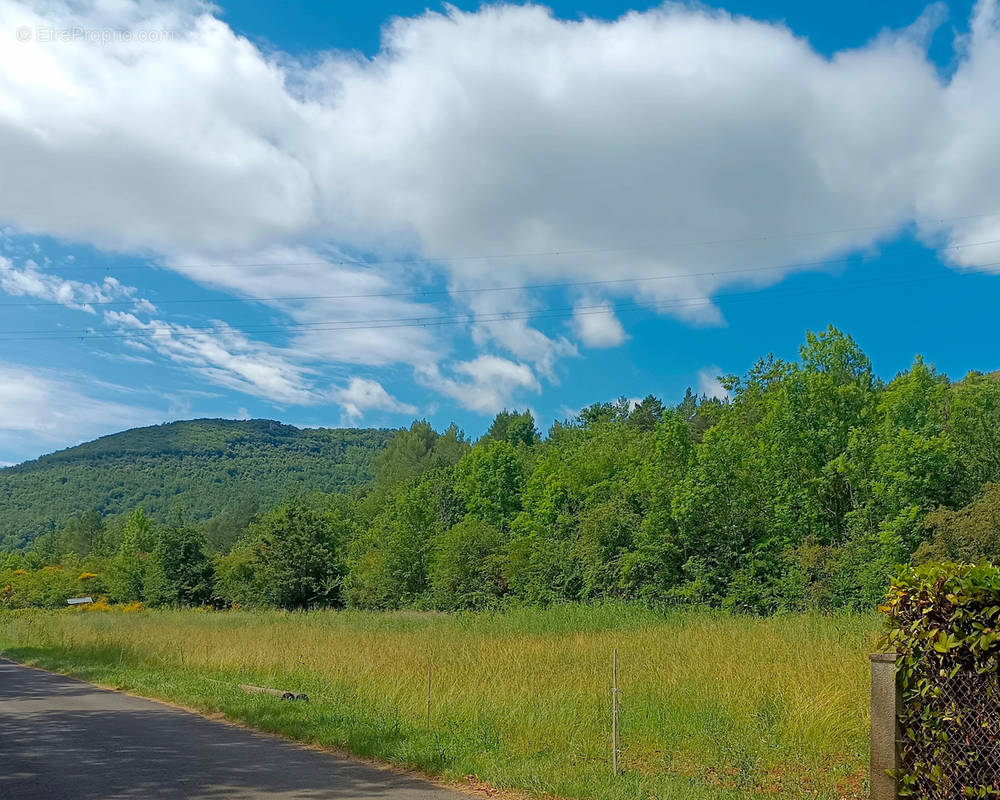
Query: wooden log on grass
[(282, 693)]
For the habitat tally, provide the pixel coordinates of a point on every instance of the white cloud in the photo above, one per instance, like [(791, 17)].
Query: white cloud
[(43, 409), (362, 394), (598, 326), (621, 145), (30, 281), (501, 131), (335, 297), (709, 383), (189, 140), (600, 140), (962, 170), (490, 383), (224, 356)]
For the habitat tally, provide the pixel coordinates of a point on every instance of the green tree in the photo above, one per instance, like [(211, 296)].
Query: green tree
[(236, 578), (899, 465), (765, 480), (974, 426), (449, 447), (466, 569), (388, 561), (408, 454), (298, 557), (648, 413), (582, 505), (489, 480), (127, 570), (78, 537), (178, 573), (605, 412), (224, 529), (606, 536), (652, 569), (513, 427)]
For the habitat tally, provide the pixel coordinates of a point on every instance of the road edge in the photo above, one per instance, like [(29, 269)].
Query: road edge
[(478, 789)]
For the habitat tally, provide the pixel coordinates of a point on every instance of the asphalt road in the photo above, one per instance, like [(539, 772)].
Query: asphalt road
[(62, 739)]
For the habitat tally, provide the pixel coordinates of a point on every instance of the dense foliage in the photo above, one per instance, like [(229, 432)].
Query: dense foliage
[(203, 466), (944, 623), (806, 487)]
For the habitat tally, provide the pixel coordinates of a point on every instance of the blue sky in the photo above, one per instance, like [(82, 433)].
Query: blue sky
[(358, 213)]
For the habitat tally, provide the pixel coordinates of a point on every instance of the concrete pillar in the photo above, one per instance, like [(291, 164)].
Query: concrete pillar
[(885, 726)]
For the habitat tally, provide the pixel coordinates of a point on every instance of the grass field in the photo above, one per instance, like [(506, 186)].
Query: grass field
[(712, 706)]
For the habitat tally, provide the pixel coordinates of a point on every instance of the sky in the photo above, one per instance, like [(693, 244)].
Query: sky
[(356, 214)]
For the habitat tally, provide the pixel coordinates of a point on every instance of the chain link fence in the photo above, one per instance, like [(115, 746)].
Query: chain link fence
[(956, 755)]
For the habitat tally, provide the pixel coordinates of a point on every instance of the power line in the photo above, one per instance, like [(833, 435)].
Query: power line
[(491, 289), (549, 253), (493, 317)]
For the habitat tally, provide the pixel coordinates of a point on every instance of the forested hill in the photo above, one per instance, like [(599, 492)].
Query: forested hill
[(199, 467)]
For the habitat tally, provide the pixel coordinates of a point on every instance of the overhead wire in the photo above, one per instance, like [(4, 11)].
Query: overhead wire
[(179, 331), (491, 289)]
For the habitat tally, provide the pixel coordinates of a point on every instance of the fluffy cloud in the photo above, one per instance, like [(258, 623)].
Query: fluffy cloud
[(145, 145), (362, 394), (598, 326), (30, 281), (962, 169), (487, 383), (503, 147)]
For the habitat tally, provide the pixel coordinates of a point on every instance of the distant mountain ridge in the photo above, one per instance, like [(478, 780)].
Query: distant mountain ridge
[(202, 466)]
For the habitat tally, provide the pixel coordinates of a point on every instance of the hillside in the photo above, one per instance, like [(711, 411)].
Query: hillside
[(201, 465)]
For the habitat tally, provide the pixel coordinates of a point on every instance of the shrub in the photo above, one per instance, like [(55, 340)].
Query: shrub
[(466, 566), (100, 604), (42, 588), (944, 623)]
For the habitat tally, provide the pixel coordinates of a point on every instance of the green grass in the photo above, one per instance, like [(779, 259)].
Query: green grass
[(712, 706)]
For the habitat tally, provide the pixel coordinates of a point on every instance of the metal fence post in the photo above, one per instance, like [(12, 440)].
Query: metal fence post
[(886, 706), (430, 669), (614, 712)]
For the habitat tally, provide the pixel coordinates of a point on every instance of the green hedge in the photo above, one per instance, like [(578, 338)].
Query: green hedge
[(943, 622)]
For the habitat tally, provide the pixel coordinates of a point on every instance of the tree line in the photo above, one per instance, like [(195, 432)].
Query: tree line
[(806, 487)]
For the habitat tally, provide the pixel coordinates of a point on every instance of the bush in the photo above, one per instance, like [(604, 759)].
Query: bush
[(48, 587), (944, 622), (466, 567), (968, 534)]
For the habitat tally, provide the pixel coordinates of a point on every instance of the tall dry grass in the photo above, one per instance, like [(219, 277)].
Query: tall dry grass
[(713, 706)]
